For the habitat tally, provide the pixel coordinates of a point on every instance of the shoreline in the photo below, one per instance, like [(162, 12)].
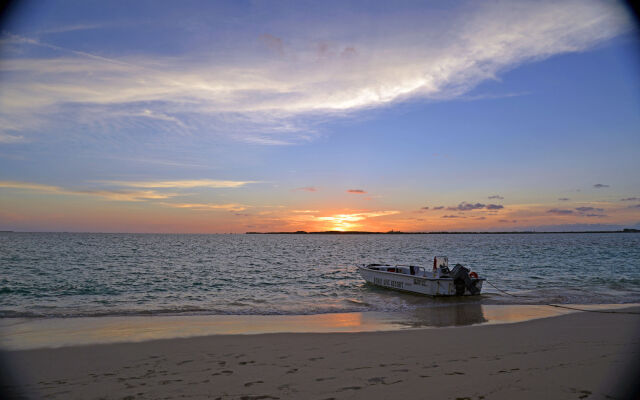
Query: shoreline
[(577, 355), (36, 333)]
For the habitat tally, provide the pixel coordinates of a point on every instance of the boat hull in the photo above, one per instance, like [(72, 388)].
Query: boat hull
[(415, 284)]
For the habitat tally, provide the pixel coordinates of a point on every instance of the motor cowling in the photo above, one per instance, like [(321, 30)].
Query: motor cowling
[(461, 280)]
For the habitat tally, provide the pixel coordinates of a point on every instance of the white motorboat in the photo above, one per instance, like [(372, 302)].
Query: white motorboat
[(439, 281)]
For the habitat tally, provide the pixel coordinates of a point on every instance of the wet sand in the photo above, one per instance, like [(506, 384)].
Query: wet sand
[(24, 333), (578, 355)]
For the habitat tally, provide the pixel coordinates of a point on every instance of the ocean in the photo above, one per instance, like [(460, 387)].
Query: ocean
[(86, 274)]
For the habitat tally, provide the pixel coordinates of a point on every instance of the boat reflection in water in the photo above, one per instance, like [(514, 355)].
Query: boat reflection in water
[(449, 315), (475, 313)]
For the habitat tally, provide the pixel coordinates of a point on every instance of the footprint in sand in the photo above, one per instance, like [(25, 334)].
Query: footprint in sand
[(582, 394), (292, 370), (248, 384), (379, 379), (357, 368), (350, 388), (325, 379), (168, 381), (225, 372)]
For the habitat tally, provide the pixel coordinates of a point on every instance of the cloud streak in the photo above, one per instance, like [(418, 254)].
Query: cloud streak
[(559, 211), (208, 206), (5, 138), (182, 184), (270, 100), (118, 195), (464, 206), (151, 192), (587, 209)]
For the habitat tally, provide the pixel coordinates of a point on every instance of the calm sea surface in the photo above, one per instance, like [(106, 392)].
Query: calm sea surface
[(67, 274)]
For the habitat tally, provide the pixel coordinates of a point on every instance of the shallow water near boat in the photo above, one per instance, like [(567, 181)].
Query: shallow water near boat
[(32, 333)]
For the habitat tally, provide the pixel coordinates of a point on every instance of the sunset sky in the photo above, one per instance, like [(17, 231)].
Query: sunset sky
[(146, 116)]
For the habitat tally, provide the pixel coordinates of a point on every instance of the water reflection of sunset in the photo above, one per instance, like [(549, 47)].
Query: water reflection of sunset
[(342, 320)]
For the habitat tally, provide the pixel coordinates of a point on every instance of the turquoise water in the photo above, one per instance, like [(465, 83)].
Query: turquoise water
[(69, 274)]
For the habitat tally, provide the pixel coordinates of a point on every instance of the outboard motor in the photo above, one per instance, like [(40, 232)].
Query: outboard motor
[(462, 281)]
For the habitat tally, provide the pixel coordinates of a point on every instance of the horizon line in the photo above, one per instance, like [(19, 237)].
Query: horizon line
[(392, 232)]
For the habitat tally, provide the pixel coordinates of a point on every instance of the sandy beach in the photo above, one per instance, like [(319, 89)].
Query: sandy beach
[(580, 355)]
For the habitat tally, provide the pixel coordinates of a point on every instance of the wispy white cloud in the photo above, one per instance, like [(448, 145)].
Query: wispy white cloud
[(118, 195), (208, 206), (182, 184), (307, 189), (146, 113), (148, 190), (6, 138), (71, 28), (269, 100)]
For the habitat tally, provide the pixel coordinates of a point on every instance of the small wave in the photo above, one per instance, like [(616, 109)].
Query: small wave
[(5, 290), (357, 302), (238, 304)]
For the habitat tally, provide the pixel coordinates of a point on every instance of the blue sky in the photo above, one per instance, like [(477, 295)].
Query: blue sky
[(236, 116)]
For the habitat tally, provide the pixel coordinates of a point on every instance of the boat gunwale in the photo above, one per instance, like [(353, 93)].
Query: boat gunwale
[(414, 276)]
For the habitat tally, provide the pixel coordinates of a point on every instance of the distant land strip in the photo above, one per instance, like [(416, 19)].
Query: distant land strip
[(627, 230), (428, 233)]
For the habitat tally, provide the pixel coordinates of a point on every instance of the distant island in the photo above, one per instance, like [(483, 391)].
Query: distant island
[(392, 232)]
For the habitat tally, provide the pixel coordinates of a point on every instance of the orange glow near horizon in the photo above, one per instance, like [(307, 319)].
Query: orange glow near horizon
[(37, 209), (341, 222)]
